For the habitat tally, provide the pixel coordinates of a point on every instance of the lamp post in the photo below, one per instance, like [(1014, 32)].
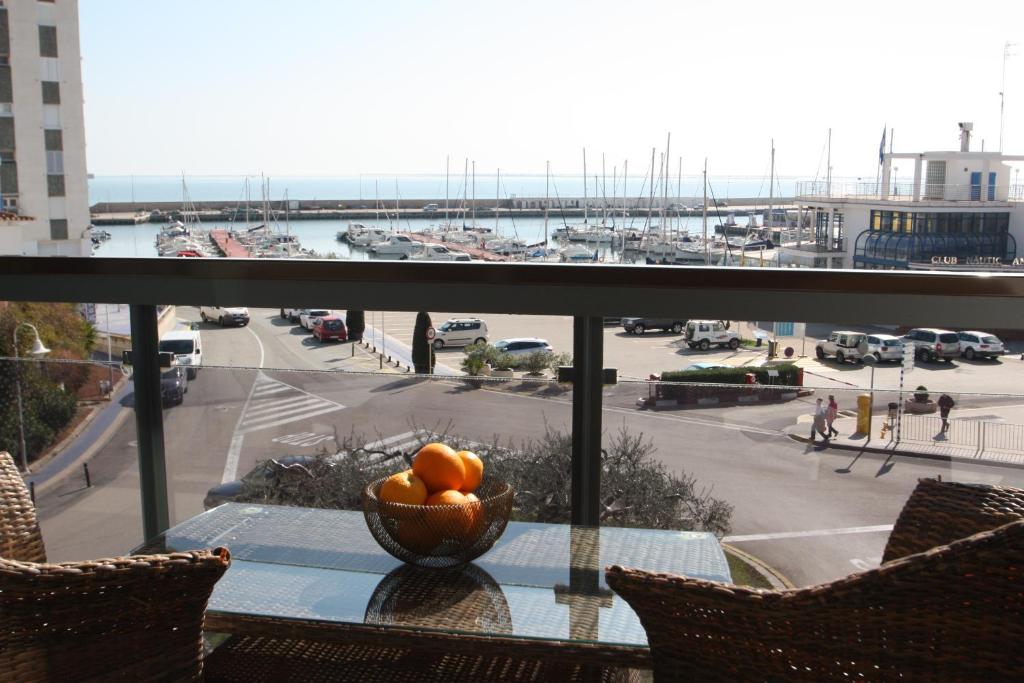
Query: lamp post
[(37, 350)]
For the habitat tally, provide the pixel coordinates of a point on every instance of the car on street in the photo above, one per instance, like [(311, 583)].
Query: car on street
[(292, 314), (331, 327), (704, 366), (932, 344), (460, 332), (309, 316), (173, 385), (521, 347), (974, 344), (225, 315), (641, 325), (701, 334), (843, 344), (187, 347), (884, 347)]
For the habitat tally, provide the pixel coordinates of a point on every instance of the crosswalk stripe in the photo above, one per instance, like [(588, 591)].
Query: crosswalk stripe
[(376, 445), (282, 405), (304, 416), (271, 390), (297, 413)]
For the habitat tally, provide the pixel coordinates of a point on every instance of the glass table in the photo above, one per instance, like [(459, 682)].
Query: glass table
[(539, 592)]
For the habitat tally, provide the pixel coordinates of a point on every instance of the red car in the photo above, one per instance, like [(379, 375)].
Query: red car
[(331, 327)]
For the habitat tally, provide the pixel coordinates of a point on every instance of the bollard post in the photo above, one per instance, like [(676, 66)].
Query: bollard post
[(381, 362), (88, 479), (353, 351), (32, 491)]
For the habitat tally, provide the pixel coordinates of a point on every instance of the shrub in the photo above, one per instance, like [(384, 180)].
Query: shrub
[(788, 374), (557, 360), (355, 324), (422, 351), (921, 394), (536, 362)]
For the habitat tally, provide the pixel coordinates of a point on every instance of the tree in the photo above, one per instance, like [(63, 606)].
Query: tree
[(422, 351), (356, 323)]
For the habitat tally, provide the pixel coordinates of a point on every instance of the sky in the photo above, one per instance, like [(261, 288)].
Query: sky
[(333, 87)]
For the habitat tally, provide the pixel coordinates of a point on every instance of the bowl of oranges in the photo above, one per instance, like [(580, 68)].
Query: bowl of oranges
[(441, 513)]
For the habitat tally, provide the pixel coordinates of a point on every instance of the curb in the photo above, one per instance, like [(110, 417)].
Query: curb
[(772, 575), (86, 455), (911, 454)]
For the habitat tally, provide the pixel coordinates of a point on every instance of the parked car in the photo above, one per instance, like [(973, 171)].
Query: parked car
[(701, 334), (884, 347), (704, 366), (430, 208), (460, 332), (521, 347), (331, 327), (225, 315), (842, 344), (173, 385), (292, 314), (976, 344), (309, 316), (931, 344), (641, 325), (269, 472), (187, 348)]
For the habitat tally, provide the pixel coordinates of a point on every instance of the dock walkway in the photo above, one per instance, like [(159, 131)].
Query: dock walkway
[(228, 245), (475, 252)]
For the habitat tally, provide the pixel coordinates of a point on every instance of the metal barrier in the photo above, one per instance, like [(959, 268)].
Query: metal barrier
[(928, 428)]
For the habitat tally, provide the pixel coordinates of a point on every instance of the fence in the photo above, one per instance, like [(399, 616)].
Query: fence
[(979, 434)]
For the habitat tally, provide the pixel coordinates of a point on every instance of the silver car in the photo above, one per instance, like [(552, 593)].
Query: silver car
[(974, 344), (932, 344), (521, 347), (884, 347)]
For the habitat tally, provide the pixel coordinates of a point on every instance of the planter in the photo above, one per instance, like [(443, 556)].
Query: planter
[(502, 373), (918, 407)]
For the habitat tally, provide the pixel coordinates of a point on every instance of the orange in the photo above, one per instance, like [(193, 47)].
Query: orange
[(404, 487), (439, 467), (476, 509), (474, 467), (417, 533), (458, 523)]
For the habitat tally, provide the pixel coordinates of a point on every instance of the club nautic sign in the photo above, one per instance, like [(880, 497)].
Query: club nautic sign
[(976, 261)]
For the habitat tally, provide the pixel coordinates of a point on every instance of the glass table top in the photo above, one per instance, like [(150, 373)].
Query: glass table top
[(542, 581)]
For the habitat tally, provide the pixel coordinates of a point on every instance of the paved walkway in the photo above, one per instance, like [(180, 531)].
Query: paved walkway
[(975, 434)]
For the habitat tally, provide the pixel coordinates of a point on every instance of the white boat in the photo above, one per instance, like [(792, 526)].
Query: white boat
[(505, 245), (576, 253), (397, 245), (359, 235), (437, 252)]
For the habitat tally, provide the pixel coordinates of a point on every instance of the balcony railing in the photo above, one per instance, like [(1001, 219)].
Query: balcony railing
[(907, 191)]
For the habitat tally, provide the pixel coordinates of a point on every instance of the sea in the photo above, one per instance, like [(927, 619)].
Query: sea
[(321, 235)]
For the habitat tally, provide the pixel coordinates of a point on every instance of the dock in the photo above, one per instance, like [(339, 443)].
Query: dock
[(475, 252), (227, 245)]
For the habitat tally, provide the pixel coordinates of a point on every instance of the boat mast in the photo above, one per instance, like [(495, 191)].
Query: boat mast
[(465, 190), (615, 192), (666, 229), (585, 207), (497, 197), (828, 166), (604, 194), (397, 207), (547, 182), (474, 195), (625, 179), (705, 213), (771, 188), (650, 202), (679, 191), (446, 159)]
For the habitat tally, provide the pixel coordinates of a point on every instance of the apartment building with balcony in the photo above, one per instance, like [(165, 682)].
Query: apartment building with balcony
[(43, 180), (960, 210)]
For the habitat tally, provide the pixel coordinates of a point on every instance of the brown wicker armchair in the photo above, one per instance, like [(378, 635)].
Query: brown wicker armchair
[(129, 618), (20, 538), (953, 612)]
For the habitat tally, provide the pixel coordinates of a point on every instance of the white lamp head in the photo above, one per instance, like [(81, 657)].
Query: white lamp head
[(38, 349)]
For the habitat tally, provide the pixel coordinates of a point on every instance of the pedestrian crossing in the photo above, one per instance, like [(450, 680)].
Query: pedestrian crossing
[(274, 403)]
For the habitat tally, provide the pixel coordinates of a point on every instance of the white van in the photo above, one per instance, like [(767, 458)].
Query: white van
[(187, 347)]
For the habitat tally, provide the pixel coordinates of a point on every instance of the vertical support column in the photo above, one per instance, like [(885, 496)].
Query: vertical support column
[(883, 192), (149, 422), (588, 360), (917, 177)]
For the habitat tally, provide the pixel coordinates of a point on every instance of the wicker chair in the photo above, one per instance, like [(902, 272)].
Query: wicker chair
[(20, 538), (129, 618), (953, 612)]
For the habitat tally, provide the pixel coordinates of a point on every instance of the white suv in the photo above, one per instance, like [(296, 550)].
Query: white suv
[(974, 344), (521, 347), (844, 345), (237, 315), (460, 332)]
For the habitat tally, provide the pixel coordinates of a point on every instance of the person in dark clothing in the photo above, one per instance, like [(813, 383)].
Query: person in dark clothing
[(946, 404)]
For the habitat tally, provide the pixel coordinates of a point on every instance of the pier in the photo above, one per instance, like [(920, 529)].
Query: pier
[(227, 245), (475, 252)]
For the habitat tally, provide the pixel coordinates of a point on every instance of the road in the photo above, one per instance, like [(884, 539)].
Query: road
[(815, 515)]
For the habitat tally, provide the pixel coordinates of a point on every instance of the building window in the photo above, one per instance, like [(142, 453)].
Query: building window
[(5, 33), (59, 229), (6, 90), (47, 41), (54, 140), (8, 173), (51, 92), (55, 167), (55, 185), (7, 134)]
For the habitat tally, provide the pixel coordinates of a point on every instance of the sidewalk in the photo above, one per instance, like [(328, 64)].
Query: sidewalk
[(921, 436)]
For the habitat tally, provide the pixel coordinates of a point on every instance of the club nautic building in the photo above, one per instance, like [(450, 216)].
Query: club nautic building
[(962, 209)]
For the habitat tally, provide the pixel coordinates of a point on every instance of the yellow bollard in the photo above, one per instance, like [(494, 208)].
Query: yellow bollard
[(864, 414)]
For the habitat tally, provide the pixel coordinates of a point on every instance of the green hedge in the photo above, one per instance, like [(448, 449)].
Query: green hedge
[(787, 375)]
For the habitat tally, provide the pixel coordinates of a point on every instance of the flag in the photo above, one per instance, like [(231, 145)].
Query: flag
[(881, 148)]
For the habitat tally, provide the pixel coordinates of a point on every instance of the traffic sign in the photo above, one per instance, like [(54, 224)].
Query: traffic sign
[(908, 357), (431, 333)]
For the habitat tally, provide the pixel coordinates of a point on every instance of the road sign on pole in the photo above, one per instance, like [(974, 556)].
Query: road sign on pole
[(907, 366), (908, 357)]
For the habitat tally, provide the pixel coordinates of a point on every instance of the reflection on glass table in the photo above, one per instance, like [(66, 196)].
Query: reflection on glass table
[(319, 573)]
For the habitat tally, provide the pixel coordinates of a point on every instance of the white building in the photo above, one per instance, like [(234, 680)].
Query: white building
[(961, 209), (42, 131)]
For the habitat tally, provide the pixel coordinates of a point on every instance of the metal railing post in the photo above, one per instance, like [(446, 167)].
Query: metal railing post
[(588, 360), (149, 422)]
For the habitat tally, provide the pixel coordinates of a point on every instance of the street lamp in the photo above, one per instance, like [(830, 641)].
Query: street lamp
[(38, 349)]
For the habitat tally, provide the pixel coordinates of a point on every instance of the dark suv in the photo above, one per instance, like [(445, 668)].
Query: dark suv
[(641, 325), (931, 344)]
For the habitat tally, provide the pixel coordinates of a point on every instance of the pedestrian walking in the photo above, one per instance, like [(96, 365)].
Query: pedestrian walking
[(946, 404), (831, 413), (819, 423)]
